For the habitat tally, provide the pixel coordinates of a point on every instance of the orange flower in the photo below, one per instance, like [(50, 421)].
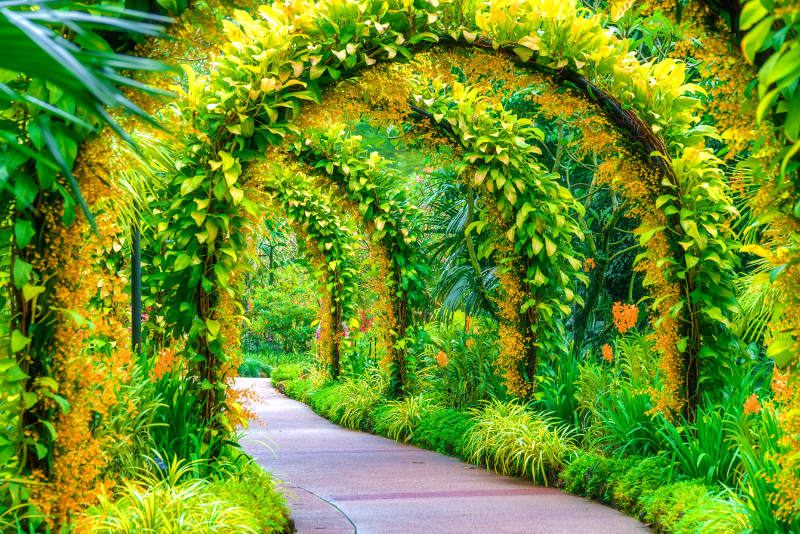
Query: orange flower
[(780, 385), (470, 343), (625, 316), (165, 363), (608, 352), (589, 264), (751, 405), (441, 359)]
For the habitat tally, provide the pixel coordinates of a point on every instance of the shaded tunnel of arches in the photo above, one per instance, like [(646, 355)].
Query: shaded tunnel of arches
[(326, 170), (681, 199)]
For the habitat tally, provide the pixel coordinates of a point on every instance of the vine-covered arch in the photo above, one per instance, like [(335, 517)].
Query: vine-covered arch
[(329, 246), (368, 188), (293, 52), (529, 215)]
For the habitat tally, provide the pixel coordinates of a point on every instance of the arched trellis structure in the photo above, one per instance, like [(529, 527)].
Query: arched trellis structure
[(271, 65), (368, 188), (529, 215), (329, 246)]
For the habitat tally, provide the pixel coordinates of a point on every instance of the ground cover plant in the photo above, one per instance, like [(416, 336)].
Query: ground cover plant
[(556, 239)]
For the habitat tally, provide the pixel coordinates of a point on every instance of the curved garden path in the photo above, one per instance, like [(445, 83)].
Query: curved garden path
[(340, 479)]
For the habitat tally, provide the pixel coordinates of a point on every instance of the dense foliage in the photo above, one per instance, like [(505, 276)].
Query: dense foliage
[(556, 239)]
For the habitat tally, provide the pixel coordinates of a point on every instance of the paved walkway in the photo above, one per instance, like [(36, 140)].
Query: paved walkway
[(341, 479)]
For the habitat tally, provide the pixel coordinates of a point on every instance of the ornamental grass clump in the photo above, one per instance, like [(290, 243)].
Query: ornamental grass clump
[(400, 418), (359, 397), (510, 439), (172, 502)]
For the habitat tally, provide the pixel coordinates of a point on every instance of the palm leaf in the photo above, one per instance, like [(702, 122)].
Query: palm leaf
[(88, 74)]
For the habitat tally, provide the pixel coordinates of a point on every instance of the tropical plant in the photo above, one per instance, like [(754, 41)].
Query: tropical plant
[(557, 393), (399, 419), (462, 367), (179, 431), (705, 450), (759, 440), (627, 423), (60, 87), (508, 438), (171, 502), (359, 396)]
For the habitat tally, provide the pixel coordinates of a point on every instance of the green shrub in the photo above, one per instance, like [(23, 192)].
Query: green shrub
[(444, 430), (254, 490), (283, 373), (254, 369), (646, 487), (299, 389), (667, 505), (623, 482), (284, 310), (399, 418), (593, 475), (327, 401), (275, 358), (642, 477), (709, 514), (510, 439)]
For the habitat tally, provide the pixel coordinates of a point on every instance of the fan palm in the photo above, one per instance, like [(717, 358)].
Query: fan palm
[(59, 83), (458, 283)]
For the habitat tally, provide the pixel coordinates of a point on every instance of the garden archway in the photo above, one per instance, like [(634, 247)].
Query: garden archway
[(273, 64)]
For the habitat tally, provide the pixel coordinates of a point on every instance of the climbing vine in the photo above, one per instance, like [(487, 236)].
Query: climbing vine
[(329, 242), (250, 120), (531, 211), (382, 208)]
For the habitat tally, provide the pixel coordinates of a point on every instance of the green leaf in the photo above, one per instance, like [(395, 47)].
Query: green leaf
[(524, 53), (29, 292), (182, 262), (23, 231), (536, 244), (755, 38), (41, 450), (424, 36), (18, 341), (752, 12), (76, 317), (199, 217), (213, 327), (236, 195), (780, 351), (22, 272), (549, 246)]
